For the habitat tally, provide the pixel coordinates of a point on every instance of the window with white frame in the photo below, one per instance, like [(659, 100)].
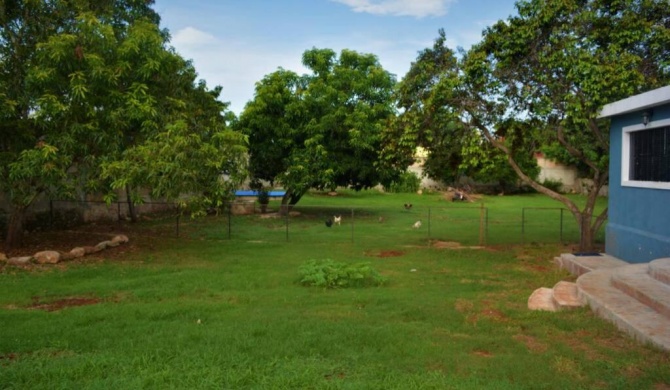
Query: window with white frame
[(646, 155)]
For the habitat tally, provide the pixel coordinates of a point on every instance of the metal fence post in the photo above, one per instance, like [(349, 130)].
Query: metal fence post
[(429, 218), (352, 225), (561, 233), (230, 217), (51, 214), (481, 224), (486, 232), (523, 222), (286, 216)]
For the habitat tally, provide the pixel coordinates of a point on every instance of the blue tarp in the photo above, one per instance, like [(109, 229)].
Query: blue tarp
[(273, 194)]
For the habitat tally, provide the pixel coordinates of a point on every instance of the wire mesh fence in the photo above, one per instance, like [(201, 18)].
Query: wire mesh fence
[(469, 225)]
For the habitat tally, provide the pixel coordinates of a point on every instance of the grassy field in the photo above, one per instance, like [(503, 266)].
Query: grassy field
[(204, 312)]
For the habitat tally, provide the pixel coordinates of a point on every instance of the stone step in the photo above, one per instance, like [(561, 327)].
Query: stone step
[(636, 281), (659, 269), (566, 295), (627, 313)]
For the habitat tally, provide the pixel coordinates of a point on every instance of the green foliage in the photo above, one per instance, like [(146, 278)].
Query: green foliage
[(408, 182), (538, 80), (320, 130), (554, 185), (331, 274), (86, 88)]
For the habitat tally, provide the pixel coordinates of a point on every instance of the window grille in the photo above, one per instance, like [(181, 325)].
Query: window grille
[(650, 155)]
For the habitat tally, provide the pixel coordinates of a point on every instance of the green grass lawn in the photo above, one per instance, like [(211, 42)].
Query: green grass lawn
[(205, 312)]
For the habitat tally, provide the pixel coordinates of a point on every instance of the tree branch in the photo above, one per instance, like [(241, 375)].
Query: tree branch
[(573, 151)]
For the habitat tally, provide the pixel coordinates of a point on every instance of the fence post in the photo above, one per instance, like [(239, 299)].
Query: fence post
[(230, 217), (561, 226), (51, 214), (429, 223), (481, 224), (523, 224), (486, 232), (178, 218), (352, 225)]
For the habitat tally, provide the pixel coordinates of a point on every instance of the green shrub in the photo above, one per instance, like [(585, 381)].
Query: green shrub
[(554, 185), (408, 182), (330, 274)]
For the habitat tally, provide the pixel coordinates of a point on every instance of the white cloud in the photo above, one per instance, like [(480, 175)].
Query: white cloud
[(192, 37), (416, 8), (235, 65)]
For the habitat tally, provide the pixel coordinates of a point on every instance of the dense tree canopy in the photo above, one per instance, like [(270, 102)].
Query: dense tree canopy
[(321, 130), (543, 76), (88, 90)]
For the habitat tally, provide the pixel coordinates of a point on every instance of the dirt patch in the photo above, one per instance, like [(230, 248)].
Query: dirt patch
[(446, 244), (8, 357), (531, 343), (483, 353), (494, 314), (452, 245), (390, 254), (62, 303)]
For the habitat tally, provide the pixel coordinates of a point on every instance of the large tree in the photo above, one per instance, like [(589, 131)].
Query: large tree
[(427, 120), (321, 130), (546, 73), (96, 84)]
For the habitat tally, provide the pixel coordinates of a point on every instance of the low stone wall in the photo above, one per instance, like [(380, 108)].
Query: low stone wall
[(55, 257)]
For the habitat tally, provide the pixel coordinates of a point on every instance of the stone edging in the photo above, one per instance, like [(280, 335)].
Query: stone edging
[(54, 257)]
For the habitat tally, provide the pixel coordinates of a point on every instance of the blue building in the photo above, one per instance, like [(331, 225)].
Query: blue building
[(638, 229)]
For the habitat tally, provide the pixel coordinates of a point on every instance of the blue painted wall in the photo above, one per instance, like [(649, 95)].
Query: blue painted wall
[(638, 229)]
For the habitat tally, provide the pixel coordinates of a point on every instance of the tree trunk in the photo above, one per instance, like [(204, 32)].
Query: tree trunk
[(288, 201), (586, 235), (131, 206), (15, 228)]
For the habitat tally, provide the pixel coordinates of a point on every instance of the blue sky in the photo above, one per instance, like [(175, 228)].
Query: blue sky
[(234, 43)]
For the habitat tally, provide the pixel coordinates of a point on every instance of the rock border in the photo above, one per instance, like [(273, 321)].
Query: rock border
[(55, 257)]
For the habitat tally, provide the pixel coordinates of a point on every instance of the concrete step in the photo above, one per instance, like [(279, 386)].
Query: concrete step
[(659, 269), (636, 281), (642, 322), (579, 265)]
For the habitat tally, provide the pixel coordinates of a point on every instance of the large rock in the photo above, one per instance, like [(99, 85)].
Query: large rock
[(92, 249), (121, 239), (112, 244), (78, 252), (566, 295), (102, 246), (47, 257), (24, 260), (65, 256), (542, 299)]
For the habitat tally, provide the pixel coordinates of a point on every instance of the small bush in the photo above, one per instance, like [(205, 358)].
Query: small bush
[(554, 185), (330, 274), (408, 183)]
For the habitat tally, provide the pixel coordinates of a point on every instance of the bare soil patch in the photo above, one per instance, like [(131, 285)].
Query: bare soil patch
[(390, 254), (62, 303)]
